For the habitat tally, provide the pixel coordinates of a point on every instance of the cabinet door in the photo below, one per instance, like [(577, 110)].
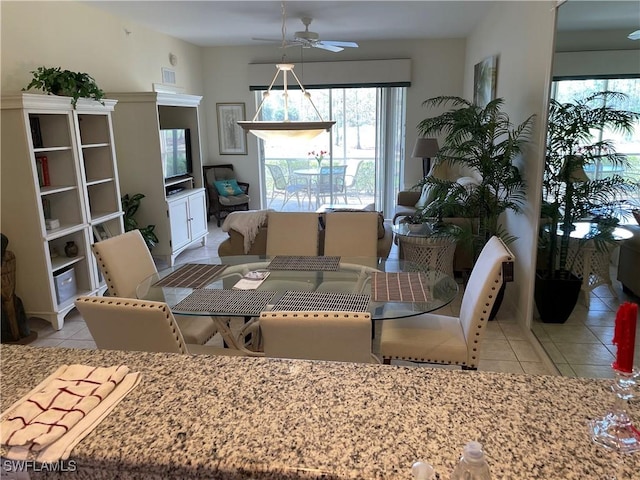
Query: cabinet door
[(198, 215), (179, 223)]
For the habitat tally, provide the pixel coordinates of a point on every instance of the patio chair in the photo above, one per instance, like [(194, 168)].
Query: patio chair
[(285, 187), (330, 183)]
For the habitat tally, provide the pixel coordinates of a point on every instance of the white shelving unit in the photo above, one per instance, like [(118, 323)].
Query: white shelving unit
[(77, 185), (180, 219)]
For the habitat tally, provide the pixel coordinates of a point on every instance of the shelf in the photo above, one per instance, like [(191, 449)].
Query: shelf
[(101, 217), (50, 190), (51, 149), (178, 180), (99, 181), (58, 263), (67, 229), (95, 145)]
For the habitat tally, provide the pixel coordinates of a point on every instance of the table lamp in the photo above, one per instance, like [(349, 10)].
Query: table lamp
[(425, 148)]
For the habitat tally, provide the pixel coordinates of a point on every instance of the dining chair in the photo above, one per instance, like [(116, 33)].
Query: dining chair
[(285, 187), (125, 261), (318, 335), (431, 338), (351, 234), (292, 233), (128, 324)]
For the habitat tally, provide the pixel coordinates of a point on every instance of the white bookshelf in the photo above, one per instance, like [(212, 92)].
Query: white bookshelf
[(80, 190)]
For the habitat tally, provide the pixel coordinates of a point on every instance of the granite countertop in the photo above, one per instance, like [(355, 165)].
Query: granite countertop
[(240, 417)]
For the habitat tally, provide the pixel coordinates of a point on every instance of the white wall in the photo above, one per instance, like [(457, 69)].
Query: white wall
[(521, 33), (78, 37), (437, 69)]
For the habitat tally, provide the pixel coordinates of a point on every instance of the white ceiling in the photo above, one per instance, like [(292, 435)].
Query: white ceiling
[(217, 23)]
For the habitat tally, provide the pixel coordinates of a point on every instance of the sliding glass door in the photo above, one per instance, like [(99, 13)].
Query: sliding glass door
[(357, 163)]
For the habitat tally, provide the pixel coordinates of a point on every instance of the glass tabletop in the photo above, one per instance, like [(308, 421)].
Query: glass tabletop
[(348, 279)]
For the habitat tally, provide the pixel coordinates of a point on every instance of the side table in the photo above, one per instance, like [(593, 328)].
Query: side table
[(433, 251), (591, 264)]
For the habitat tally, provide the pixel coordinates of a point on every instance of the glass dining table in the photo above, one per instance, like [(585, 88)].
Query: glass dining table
[(386, 288)]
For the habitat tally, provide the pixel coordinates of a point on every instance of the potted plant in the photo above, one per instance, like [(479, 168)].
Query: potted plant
[(484, 140), (130, 206), (56, 81), (569, 195)]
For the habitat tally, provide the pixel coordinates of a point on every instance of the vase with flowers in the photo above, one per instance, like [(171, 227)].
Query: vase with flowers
[(318, 156)]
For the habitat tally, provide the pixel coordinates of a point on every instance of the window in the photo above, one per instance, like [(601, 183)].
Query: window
[(627, 144), (366, 139)]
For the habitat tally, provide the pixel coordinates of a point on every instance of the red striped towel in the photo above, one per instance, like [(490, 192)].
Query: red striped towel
[(66, 398)]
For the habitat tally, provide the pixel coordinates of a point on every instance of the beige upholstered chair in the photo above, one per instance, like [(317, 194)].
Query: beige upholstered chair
[(449, 340), (334, 336), (137, 325), (125, 261), (351, 234), (292, 233)]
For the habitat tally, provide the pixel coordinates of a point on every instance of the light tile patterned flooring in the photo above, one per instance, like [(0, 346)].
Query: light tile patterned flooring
[(581, 347)]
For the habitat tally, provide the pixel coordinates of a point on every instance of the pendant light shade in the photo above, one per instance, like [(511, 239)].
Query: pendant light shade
[(286, 129)]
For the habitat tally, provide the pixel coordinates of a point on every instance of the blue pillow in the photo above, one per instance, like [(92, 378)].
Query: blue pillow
[(228, 187)]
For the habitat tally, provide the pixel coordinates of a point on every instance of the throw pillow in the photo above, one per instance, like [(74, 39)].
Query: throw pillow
[(227, 187), (426, 196)]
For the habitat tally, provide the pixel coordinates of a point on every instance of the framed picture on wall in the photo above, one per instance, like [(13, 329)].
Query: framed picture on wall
[(231, 137), (485, 75)]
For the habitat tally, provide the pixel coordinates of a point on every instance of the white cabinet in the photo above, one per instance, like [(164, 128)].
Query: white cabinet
[(180, 219), (59, 185), (187, 216)]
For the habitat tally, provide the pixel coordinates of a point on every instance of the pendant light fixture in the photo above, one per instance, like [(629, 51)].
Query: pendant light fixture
[(286, 129)]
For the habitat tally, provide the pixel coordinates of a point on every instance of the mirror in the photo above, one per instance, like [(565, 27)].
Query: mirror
[(592, 42)]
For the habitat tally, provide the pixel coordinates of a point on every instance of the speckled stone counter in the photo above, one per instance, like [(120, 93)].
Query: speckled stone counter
[(237, 417)]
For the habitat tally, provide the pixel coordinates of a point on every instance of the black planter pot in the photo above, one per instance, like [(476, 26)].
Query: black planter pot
[(556, 297), (498, 301)]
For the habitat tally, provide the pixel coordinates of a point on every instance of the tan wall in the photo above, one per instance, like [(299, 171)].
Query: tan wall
[(82, 38), (524, 73)]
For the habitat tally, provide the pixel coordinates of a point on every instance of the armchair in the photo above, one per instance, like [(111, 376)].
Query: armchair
[(221, 205)]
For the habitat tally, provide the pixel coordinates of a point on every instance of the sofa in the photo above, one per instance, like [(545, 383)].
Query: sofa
[(629, 261), (234, 245)]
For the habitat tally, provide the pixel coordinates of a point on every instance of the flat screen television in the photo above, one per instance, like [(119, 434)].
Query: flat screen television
[(175, 146)]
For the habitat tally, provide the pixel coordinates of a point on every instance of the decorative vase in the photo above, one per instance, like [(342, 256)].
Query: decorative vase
[(71, 249)]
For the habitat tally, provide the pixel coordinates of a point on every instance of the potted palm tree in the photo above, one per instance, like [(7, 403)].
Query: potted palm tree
[(484, 140), (570, 195)]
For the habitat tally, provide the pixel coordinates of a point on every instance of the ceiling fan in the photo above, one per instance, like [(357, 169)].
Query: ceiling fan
[(308, 39)]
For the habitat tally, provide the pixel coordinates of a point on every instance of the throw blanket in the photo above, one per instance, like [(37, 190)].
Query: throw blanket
[(51, 419), (247, 223)]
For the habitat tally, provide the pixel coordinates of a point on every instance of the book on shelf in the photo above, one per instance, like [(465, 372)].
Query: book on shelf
[(251, 280), (42, 165)]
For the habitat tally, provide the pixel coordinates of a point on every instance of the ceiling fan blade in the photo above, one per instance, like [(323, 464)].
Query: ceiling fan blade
[(340, 44), (331, 48), (634, 35)]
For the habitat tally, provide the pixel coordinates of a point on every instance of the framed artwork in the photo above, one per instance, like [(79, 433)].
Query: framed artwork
[(231, 137), (101, 232), (485, 75)]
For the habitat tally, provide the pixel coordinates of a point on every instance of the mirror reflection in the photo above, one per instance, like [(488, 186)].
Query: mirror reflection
[(594, 53)]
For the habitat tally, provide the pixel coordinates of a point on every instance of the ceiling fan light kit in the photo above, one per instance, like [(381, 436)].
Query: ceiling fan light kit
[(287, 129)]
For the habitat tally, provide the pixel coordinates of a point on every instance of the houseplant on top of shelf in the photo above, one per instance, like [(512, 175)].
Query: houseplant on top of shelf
[(569, 195), (56, 81), (130, 205)]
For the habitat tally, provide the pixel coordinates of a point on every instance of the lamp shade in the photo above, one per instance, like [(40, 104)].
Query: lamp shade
[(286, 130), (577, 173), (425, 148)]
